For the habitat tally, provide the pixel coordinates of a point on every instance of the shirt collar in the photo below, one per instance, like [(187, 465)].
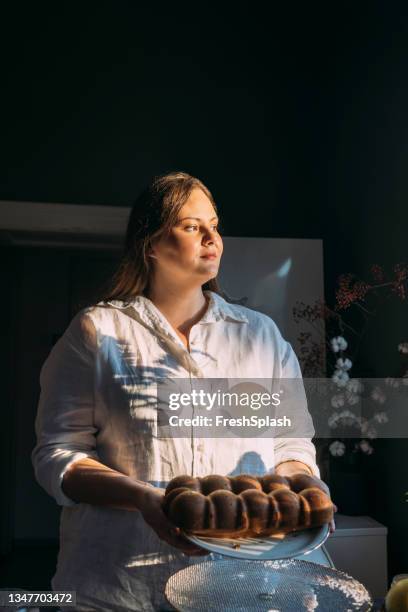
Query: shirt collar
[(218, 308)]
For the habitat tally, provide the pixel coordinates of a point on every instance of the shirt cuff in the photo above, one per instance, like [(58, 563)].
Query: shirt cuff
[(298, 456)]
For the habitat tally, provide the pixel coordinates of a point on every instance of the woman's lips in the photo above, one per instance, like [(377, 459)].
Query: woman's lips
[(209, 256)]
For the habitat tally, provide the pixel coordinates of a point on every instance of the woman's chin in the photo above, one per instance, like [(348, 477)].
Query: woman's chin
[(209, 274), (209, 267)]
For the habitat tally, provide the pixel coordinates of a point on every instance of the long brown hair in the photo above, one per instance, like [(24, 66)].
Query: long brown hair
[(153, 215)]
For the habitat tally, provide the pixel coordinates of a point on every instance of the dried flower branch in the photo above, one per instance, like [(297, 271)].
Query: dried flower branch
[(331, 352)]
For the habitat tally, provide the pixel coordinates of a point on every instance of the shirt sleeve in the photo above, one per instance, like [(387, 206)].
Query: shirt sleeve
[(296, 448), (64, 424)]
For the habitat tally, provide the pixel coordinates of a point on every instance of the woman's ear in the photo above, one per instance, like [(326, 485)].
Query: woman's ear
[(150, 251)]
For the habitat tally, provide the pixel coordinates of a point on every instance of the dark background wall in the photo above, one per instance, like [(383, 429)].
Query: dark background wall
[(294, 116)]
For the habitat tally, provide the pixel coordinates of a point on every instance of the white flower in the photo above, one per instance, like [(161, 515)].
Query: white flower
[(378, 395), (368, 430), (346, 413), (337, 401), (380, 417), (392, 382), (371, 433), (354, 385), (332, 420), (348, 417), (403, 348), (338, 344), (343, 364), (340, 378), (366, 447), (337, 448), (352, 398)]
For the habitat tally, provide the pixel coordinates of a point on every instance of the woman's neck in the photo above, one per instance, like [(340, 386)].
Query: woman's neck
[(182, 307)]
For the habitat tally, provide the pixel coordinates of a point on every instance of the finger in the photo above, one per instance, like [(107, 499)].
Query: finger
[(174, 535), (175, 538), (171, 534), (198, 549), (175, 531), (180, 544), (198, 553), (178, 540), (191, 550), (168, 525)]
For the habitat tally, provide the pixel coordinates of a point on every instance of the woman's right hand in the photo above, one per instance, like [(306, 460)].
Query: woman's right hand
[(153, 513)]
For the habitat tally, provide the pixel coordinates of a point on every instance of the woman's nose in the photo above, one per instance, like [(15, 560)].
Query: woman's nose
[(210, 237)]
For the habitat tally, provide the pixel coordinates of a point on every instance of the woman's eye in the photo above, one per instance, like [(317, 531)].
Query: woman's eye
[(192, 228)]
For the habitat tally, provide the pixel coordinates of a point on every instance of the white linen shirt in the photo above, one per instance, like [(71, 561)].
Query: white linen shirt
[(88, 407)]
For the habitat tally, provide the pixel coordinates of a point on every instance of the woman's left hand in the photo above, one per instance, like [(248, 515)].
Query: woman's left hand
[(320, 484), (294, 468), (332, 524)]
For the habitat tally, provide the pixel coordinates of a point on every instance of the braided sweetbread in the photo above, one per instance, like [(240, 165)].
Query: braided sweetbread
[(245, 505)]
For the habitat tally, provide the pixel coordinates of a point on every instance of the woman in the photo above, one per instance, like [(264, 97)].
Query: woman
[(98, 453)]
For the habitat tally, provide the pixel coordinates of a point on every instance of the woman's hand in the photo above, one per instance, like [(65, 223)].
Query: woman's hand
[(293, 468), (332, 524), (152, 512), (322, 485), (317, 482)]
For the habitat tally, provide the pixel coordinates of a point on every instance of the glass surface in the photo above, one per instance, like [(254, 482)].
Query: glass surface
[(243, 586)]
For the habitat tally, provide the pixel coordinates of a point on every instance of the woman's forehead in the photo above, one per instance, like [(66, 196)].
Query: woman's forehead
[(197, 205)]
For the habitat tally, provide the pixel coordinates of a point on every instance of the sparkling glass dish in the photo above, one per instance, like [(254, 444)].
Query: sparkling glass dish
[(275, 586)]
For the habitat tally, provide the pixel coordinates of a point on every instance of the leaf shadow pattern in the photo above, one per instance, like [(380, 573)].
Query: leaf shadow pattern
[(129, 389), (249, 463)]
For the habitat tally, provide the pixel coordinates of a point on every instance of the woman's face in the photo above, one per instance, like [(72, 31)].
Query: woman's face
[(194, 247)]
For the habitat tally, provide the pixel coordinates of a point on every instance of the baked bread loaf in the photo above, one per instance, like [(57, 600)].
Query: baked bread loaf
[(245, 505)]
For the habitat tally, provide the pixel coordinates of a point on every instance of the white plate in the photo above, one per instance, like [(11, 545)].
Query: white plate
[(272, 547)]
